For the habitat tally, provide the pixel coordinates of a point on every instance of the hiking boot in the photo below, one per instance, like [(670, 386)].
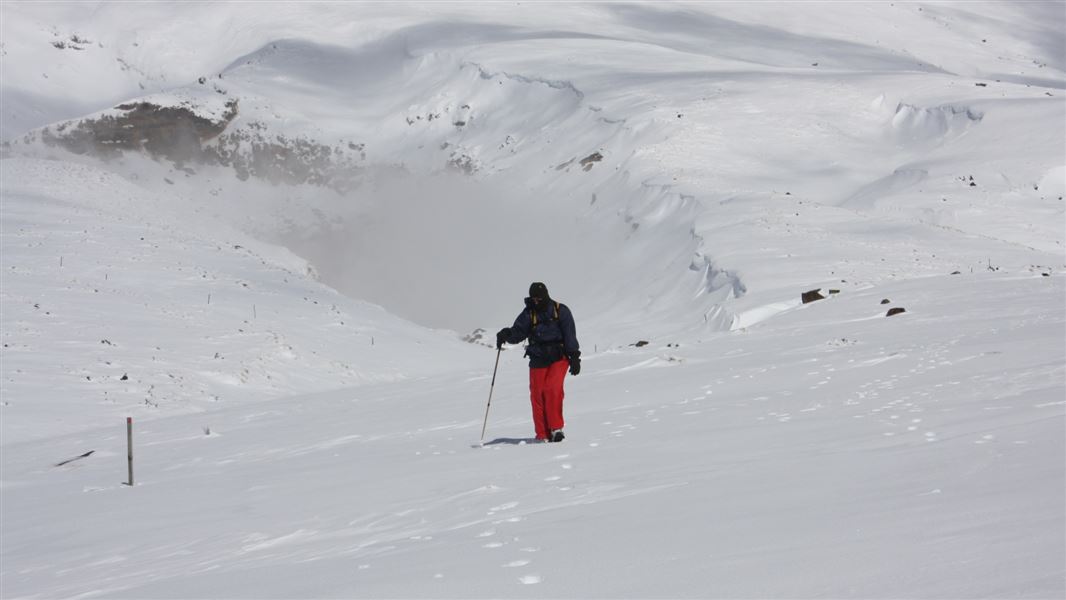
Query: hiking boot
[(557, 436)]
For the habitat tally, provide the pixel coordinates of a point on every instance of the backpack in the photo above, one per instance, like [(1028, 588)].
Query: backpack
[(550, 351)]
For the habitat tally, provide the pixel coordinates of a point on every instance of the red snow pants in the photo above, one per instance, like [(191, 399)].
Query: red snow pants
[(546, 396)]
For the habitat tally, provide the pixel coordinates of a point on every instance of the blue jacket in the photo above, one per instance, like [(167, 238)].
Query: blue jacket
[(551, 338)]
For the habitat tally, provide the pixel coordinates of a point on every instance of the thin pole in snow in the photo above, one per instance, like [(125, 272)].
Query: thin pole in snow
[(491, 387), (129, 448)]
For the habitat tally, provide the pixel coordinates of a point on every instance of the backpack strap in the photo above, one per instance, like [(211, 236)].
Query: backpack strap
[(555, 314)]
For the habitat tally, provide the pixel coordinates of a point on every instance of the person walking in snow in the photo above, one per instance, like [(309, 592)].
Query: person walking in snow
[(552, 350)]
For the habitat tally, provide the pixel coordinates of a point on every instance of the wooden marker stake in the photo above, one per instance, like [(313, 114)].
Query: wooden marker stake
[(129, 447)]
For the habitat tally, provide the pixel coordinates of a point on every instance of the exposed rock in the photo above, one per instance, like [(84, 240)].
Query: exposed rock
[(886, 301), (475, 337), (75, 42), (186, 133), (640, 344), (811, 296), (172, 132), (280, 159), (463, 163), (895, 311), (589, 160)]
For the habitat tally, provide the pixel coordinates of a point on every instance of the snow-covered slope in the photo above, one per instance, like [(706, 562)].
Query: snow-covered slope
[(112, 306), (846, 454), (628, 127), (263, 230)]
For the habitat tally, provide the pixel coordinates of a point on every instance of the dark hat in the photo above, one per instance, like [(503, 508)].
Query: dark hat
[(538, 290)]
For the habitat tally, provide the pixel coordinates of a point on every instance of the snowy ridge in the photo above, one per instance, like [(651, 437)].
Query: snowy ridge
[(460, 122)]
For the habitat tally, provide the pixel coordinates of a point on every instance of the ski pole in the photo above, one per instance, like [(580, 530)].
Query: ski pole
[(491, 387)]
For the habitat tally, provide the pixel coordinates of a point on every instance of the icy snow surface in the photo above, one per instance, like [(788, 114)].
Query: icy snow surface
[(289, 339)]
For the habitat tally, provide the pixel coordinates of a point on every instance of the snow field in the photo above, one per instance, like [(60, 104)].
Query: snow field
[(859, 448), (297, 437)]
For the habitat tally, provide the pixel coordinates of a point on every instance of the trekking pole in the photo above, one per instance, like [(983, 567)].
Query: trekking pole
[(491, 387)]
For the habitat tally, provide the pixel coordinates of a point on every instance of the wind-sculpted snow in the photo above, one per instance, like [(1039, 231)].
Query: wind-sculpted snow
[(914, 124), (899, 181), (697, 31)]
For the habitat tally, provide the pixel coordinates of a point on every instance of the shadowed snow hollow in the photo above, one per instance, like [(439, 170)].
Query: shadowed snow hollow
[(427, 183)]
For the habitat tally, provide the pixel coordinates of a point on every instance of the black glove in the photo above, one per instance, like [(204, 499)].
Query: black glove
[(575, 365), (502, 336)]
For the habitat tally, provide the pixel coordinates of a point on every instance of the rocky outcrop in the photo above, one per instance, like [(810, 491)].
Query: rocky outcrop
[(174, 132), (188, 133), (281, 159)]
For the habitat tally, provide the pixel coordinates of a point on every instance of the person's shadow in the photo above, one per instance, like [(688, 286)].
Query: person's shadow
[(512, 441)]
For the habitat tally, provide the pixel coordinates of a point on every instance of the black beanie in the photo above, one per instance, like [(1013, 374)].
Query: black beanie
[(538, 290)]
